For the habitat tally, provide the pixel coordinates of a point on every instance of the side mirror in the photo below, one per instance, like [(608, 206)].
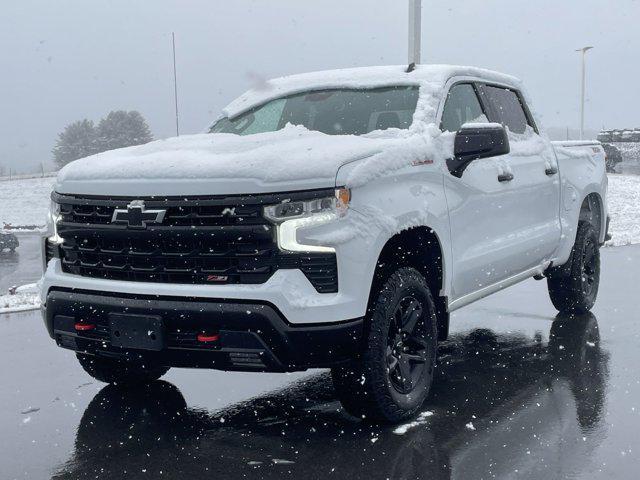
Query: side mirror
[(474, 141)]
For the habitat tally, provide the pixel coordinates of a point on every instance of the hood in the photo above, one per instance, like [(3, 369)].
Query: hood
[(221, 164)]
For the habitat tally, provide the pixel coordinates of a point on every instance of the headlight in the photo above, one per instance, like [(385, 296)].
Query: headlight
[(290, 216)]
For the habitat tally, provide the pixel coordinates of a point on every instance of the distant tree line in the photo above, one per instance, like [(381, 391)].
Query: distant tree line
[(117, 130)]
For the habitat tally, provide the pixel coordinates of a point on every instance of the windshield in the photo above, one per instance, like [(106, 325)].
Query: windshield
[(334, 112)]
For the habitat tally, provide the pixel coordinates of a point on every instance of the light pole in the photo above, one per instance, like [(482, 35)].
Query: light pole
[(175, 83), (415, 31), (584, 81)]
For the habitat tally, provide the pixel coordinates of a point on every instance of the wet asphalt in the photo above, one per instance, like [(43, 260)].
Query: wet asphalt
[(22, 266), (520, 393)]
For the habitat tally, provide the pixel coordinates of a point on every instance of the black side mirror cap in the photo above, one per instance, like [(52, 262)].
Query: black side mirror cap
[(477, 141)]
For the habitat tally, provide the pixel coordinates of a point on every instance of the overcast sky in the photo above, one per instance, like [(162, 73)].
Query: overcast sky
[(65, 60)]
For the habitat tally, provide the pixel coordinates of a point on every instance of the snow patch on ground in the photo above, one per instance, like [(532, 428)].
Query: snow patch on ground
[(25, 298), (25, 202), (420, 420), (624, 208)]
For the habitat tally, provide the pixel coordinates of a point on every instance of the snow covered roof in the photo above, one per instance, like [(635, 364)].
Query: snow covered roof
[(363, 77)]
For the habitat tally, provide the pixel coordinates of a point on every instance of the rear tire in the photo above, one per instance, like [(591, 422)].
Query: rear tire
[(573, 287), (120, 372), (393, 378)]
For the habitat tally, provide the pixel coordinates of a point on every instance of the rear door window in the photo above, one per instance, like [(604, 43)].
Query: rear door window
[(506, 108)]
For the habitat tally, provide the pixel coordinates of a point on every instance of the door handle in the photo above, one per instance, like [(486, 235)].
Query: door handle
[(505, 177), (551, 171)]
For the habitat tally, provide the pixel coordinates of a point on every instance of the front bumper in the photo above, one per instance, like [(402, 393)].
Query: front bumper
[(253, 336), (288, 290)]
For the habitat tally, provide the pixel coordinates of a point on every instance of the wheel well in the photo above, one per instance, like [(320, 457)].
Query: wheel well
[(417, 247), (591, 211)]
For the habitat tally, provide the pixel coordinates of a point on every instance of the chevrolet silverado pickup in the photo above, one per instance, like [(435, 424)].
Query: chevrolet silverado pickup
[(325, 220)]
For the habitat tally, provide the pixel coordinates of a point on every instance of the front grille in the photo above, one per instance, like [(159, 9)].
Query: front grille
[(177, 215), (211, 240)]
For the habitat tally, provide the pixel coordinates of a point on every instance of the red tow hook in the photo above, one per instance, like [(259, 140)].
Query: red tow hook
[(84, 326), (208, 337)]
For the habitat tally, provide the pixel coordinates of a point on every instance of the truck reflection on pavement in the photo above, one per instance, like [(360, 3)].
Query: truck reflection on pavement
[(501, 404)]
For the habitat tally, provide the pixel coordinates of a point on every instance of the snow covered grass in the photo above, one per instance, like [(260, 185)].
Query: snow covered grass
[(25, 298), (25, 202), (624, 208), (7, 178)]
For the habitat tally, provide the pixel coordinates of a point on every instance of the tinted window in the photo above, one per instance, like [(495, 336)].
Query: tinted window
[(462, 106), (507, 108), (335, 112)]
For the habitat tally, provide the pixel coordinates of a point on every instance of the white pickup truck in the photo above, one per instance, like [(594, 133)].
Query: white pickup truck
[(330, 220)]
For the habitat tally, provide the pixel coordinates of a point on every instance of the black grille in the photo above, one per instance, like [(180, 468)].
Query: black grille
[(200, 241), (177, 216)]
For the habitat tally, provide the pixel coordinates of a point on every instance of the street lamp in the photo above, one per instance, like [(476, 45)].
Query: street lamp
[(415, 31), (584, 51)]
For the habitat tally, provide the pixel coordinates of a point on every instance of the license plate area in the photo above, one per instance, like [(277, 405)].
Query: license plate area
[(144, 332)]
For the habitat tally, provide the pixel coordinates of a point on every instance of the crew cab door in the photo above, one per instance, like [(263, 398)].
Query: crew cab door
[(481, 211), (504, 211), (535, 188)]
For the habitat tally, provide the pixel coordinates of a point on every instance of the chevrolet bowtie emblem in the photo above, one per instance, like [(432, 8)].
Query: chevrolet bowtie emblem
[(137, 216)]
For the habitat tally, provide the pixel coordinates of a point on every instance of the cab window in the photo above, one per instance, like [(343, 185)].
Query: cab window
[(507, 108), (461, 106)]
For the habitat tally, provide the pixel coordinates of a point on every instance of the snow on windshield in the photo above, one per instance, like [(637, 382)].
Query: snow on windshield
[(334, 112)]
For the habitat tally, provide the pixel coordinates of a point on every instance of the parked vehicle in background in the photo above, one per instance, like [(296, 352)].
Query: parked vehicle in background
[(332, 219), (613, 157), (8, 241)]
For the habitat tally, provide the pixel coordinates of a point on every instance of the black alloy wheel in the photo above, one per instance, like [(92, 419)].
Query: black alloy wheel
[(407, 350), (393, 375)]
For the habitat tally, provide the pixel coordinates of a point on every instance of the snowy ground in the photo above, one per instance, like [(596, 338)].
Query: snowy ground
[(630, 152), (25, 202), (624, 208), (25, 298)]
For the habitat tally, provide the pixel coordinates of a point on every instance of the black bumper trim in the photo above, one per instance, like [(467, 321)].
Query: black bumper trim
[(254, 336)]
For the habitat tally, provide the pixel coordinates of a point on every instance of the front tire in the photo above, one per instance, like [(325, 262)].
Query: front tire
[(573, 287), (393, 378), (120, 372)]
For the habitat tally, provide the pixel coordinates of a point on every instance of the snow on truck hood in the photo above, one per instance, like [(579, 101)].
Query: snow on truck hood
[(293, 158), (209, 164)]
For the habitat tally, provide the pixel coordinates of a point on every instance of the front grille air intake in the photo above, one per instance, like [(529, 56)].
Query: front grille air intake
[(212, 240)]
